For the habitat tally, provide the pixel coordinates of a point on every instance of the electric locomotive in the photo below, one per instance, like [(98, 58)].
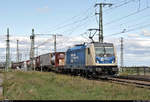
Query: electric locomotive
[(92, 59)]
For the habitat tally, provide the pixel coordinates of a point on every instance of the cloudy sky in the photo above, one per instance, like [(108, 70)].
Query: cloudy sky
[(71, 18)]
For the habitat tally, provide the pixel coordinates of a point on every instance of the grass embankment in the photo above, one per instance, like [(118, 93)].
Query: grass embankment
[(1, 79), (51, 86)]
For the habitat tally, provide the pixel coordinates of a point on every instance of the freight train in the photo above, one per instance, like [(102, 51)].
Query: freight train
[(92, 59)]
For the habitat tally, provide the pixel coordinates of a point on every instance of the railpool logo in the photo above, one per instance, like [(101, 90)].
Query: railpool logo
[(74, 58)]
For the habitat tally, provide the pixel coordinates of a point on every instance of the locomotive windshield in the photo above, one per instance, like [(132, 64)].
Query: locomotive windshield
[(104, 51)]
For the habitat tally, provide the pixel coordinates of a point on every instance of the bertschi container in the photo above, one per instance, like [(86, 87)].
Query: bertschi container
[(37, 62), (45, 60), (59, 59)]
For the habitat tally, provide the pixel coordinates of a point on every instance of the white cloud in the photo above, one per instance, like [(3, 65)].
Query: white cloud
[(133, 35), (2, 45), (146, 32), (138, 42), (43, 9)]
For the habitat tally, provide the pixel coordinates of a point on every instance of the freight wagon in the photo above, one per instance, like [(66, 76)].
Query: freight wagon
[(19, 65), (15, 65), (44, 61), (50, 61), (58, 61)]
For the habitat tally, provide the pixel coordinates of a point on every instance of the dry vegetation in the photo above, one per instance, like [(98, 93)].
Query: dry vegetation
[(51, 86)]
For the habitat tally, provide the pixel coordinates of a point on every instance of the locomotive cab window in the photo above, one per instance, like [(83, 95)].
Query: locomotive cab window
[(104, 55), (104, 51)]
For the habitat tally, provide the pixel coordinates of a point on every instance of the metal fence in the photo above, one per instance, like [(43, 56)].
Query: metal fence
[(136, 70)]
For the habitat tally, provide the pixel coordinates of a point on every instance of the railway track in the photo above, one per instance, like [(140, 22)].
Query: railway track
[(124, 80), (137, 83), (135, 77)]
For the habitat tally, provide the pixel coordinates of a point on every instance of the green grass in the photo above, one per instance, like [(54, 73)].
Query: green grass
[(51, 86)]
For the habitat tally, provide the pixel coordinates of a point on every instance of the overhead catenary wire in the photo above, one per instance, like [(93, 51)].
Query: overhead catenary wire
[(61, 26), (134, 25), (82, 35), (43, 43), (78, 26), (131, 21), (64, 24), (47, 41), (135, 39), (112, 22), (129, 30), (117, 6), (75, 28), (71, 23)]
